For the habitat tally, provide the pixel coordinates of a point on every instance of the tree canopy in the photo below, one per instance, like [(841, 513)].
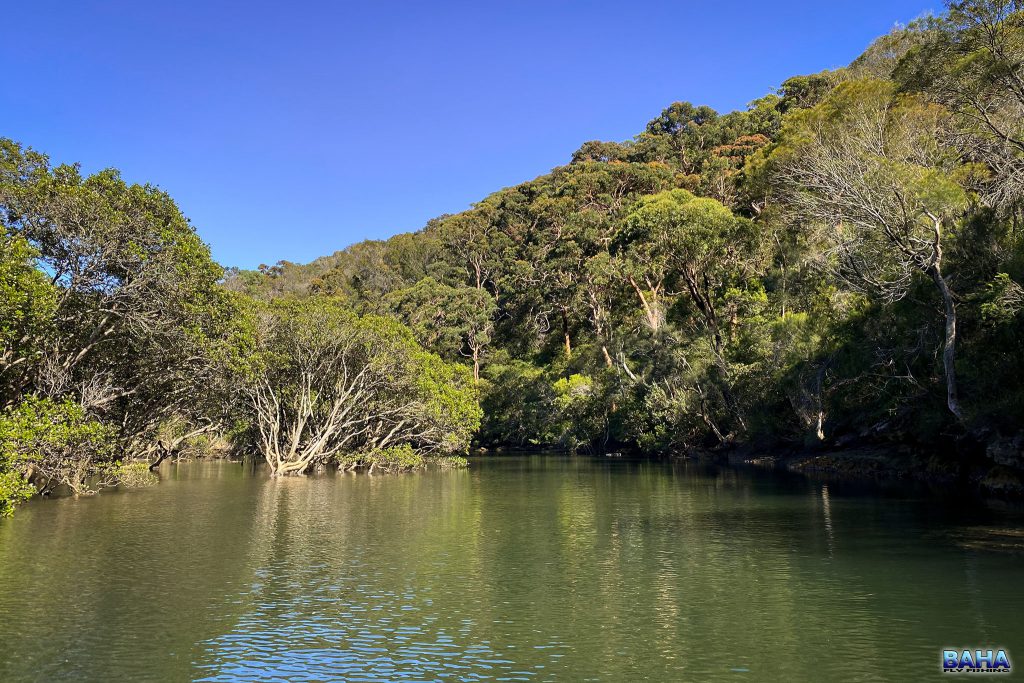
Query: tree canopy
[(841, 260)]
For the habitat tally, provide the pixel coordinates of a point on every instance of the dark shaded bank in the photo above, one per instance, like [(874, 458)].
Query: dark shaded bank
[(982, 465), (954, 467), (985, 465)]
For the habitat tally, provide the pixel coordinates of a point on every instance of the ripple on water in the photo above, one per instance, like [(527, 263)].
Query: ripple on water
[(325, 633), (522, 569)]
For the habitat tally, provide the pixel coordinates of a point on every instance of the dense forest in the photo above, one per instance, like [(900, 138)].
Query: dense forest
[(842, 261)]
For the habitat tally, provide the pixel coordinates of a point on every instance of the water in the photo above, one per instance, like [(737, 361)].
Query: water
[(539, 568)]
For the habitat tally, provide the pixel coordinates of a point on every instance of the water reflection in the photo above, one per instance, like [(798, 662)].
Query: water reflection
[(826, 511), (538, 569)]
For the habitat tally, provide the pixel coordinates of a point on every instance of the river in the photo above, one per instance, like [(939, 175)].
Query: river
[(527, 568)]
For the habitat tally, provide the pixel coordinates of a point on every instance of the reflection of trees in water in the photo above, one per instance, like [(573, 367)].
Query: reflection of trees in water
[(136, 576), (356, 572), (608, 569), (705, 560)]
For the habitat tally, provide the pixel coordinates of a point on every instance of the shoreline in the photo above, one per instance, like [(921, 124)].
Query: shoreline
[(972, 471), (883, 463)]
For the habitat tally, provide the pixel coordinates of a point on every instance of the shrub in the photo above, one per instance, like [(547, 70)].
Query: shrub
[(58, 443)]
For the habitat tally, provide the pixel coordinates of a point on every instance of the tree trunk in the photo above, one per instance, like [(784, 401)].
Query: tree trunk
[(707, 419), (651, 311), (949, 346), (724, 375), (164, 453), (819, 399), (565, 331)]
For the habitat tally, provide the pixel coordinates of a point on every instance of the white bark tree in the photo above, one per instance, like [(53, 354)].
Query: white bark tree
[(330, 383), (869, 167)]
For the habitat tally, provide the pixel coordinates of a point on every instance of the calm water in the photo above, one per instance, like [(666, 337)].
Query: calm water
[(535, 568)]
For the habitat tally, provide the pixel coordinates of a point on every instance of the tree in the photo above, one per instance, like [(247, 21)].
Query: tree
[(600, 287), (683, 134), (472, 242), (138, 320), (803, 92), (55, 443), (674, 238), (450, 321), (972, 62), (327, 384), (868, 166), (597, 150), (27, 303)]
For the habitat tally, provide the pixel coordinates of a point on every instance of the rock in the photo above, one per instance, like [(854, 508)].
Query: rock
[(1007, 450), (1003, 480)]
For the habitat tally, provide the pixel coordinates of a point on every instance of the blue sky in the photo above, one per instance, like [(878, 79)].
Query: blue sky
[(289, 130)]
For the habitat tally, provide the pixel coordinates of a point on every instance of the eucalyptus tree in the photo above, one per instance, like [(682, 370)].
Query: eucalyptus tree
[(675, 238), (601, 291), (578, 217), (971, 60), (869, 167), (683, 135), (676, 243), (450, 321), (473, 242)]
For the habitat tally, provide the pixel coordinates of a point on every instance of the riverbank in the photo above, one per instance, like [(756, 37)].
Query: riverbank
[(989, 473), (992, 469), (983, 463)]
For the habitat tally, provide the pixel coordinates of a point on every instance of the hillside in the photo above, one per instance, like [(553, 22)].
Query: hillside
[(840, 264), (787, 274)]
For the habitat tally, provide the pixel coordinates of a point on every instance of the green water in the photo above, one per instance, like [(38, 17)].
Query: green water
[(537, 568)]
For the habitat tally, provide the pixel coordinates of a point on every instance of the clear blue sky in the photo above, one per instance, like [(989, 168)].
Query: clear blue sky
[(288, 130)]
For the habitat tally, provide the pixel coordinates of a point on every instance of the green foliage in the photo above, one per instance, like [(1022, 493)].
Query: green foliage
[(1002, 301), (515, 401), (454, 322), (401, 458), (820, 264), (578, 419), (27, 305), (27, 301), (452, 462), (804, 92), (58, 442), (133, 475), (14, 489), (325, 381)]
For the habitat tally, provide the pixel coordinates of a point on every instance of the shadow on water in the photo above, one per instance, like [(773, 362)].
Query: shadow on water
[(531, 568)]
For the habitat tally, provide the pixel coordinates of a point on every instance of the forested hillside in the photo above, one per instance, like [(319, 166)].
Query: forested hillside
[(842, 260), (844, 255)]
